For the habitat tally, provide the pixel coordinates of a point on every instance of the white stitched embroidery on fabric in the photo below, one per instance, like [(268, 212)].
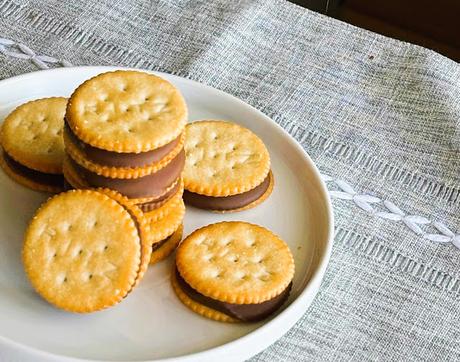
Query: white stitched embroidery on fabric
[(363, 201), (392, 212), (21, 51)]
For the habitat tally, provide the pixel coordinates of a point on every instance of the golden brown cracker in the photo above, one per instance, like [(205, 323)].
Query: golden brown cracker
[(32, 134), (235, 262), (82, 251), (126, 111), (223, 158), (164, 222)]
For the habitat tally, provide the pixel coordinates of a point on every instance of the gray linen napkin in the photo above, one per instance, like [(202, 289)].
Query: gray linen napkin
[(378, 116)]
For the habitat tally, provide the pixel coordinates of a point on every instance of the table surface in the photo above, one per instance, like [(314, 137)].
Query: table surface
[(378, 116), (432, 24)]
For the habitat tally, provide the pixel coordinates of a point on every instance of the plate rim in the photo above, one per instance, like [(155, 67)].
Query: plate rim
[(262, 337)]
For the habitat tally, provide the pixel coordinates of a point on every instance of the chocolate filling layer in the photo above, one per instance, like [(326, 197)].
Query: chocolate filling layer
[(36, 176), (227, 202), (243, 312), (155, 204), (151, 185), (116, 159)]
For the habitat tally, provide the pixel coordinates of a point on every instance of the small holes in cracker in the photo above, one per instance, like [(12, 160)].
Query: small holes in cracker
[(239, 275), (214, 273), (233, 259), (257, 259), (263, 278)]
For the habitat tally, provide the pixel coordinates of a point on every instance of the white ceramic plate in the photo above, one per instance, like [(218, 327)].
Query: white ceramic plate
[(151, 323)]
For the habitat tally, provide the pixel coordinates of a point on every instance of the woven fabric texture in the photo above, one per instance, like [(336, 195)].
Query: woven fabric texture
[(379, 114)]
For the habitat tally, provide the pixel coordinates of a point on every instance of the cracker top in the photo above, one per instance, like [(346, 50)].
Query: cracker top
[(32, 134), (223, 159), (82, 251), (235, 262), (127, 111)]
